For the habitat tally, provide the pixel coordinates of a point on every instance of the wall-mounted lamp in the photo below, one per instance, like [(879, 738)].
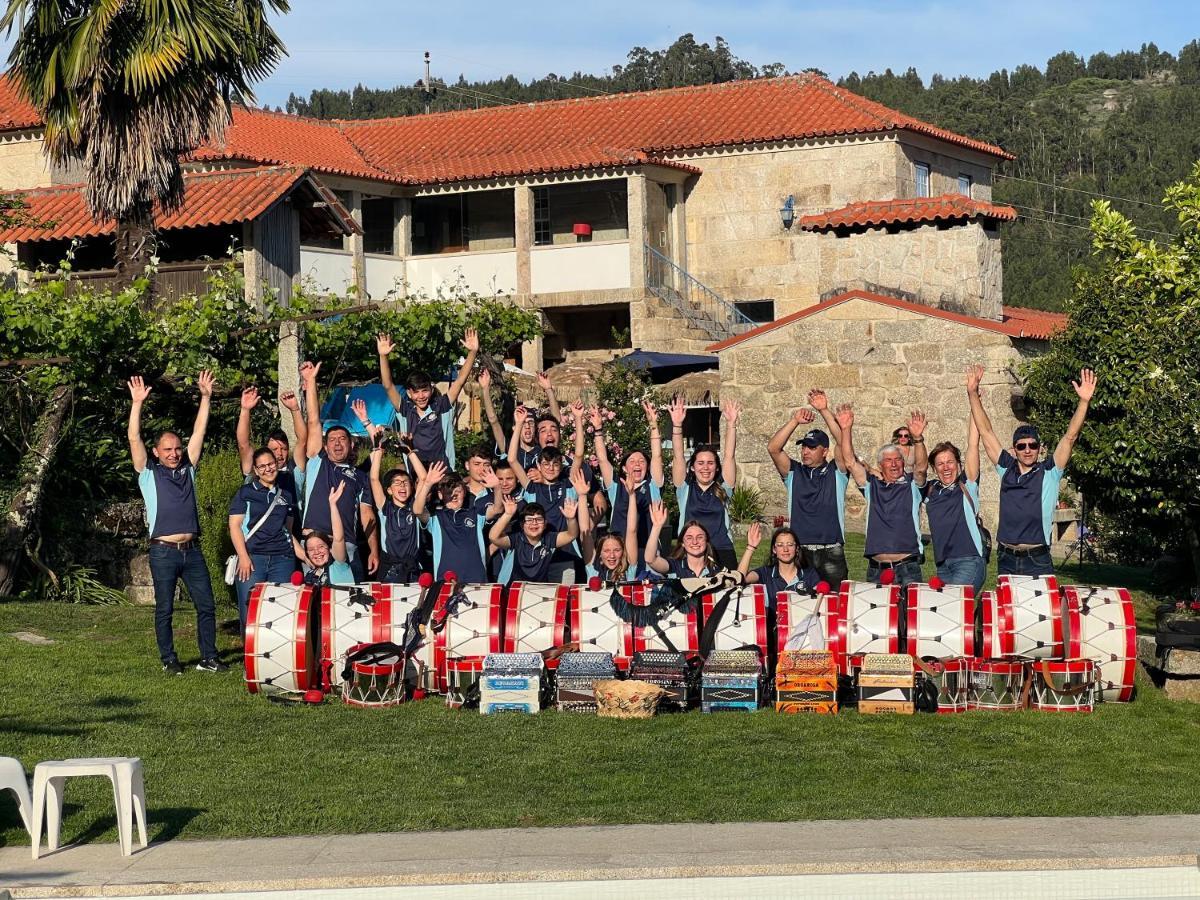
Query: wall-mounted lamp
[(787, 212)]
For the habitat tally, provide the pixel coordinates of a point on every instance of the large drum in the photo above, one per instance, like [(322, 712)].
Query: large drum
[(1063, 685), (537, 617), (597, 625), (1107, 635), (677, 632), (997, 684), (950, 677), (473, 623), (867, 621), (1034, 617), (744, 620), (280, 655), (804, 621), (941, 621), (370, 614)]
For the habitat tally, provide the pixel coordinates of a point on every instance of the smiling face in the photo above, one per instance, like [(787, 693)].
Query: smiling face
[(705, 467), (550, 469), (317, 550), (548, 433), (1026, 451), (507, 479), (813, 456), (637, 465), (694, 540), (420, 396), (266, 470), (534, 526), (337, 445), (455, 496), (784, 547), (400, 488), (169, 450), (946, 467), (892, 466), (612, 552)]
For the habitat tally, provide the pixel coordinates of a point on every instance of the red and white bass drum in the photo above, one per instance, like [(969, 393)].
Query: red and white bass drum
[(280, 655), (1107, 635), (941, 621)]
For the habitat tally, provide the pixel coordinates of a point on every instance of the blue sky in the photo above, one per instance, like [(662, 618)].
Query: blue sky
[(380, 42)]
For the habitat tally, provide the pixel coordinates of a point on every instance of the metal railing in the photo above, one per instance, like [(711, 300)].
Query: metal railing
[(699, 304)]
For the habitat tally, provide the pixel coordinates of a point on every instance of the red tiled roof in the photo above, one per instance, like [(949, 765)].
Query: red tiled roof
[(15, 111), (917, 210), (1016, 322), (211, 198)]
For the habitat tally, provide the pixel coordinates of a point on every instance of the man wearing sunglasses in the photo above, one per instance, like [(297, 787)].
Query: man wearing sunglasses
[(1028, 486)]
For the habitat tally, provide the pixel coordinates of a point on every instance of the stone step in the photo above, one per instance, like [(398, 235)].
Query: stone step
[(1175, 663)]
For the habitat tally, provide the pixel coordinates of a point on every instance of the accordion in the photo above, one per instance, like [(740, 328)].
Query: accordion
[(667, 670), (511, 682), (575, 685), (806, 681), (885, 683), (731, 681)]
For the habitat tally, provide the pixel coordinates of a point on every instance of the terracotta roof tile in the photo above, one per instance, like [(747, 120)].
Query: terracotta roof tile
[(15, 111), (211, 198), (1016, 322), (874, 213)]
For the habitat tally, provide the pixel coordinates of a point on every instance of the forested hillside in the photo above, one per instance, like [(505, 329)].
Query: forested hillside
[(1124, 125)]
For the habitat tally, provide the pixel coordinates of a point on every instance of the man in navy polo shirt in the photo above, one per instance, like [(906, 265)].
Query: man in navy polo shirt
[(330, 459), (1028, 487), (168, 486), (893, 500), (816, 489)]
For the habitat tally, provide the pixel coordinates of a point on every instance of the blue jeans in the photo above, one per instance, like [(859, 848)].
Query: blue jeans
[(963, 570), (906, 572), (269, 568), (167, 567), (1008, 563)]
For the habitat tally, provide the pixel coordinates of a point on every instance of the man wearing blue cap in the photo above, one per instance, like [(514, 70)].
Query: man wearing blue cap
[(816, 489), (1028, 486)]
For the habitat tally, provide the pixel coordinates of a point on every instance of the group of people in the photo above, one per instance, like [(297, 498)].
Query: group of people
[(531, 509)]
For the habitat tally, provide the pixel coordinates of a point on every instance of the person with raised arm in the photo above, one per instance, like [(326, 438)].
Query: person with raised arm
[(458, 531), (526, 446), (816, 489), (1028, 485), (782, 571), (325, 557), (392, 493), (614, 558), (701, 496), (693, 555), (330, 461), (532, 547), (289, 461), (168, 486), (893, 500), (422, 411), (952, 505), (646, 471)]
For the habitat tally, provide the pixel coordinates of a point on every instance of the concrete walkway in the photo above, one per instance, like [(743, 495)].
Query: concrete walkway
[(607, 854)]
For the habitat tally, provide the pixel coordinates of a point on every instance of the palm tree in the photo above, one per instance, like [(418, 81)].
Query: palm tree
[(127, 86)]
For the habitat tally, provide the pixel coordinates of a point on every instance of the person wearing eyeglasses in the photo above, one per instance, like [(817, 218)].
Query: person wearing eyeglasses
[(1028, 484), (903, 440)]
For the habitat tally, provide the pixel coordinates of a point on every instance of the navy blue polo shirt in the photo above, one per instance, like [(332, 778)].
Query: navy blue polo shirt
[(170, 497), (289, 479), (769, 578), (319, 477), (893, 515), (551, 497), (1026, 500), (705, 507), (432, 430), (251, 502), (526, 459), (618, 502), (458, 544), (399, 531), (952, 519), (585, 469), (529, 562), (817, 502), (679, 569)]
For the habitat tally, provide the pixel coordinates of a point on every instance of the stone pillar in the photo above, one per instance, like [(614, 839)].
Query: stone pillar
[(252, 274), (531, 355), (523, 230), (291, 354), (678, 227), (636, 190), (356, 246)]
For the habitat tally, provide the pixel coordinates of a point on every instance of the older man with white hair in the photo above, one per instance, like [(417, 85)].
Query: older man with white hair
[(893, 500)]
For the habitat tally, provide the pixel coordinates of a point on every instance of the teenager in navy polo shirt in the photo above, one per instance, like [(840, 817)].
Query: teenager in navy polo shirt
[(782, 571), (612, 557), (399, 528), (701, 496), (458, 531), (893, 500), (289, 462), (325, 557), (693, 555), (423, 412), (1028, 486), (262, 506), (168, 486), (531, 549), (646, 474), (952, 504), (816, 487)]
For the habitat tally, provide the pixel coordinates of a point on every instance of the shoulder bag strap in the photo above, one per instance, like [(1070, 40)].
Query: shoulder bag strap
[(263, 518)]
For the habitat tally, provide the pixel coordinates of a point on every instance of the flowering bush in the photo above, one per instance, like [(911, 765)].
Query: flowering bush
[(619, 392)]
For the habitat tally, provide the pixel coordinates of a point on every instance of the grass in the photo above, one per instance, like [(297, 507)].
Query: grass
[(222, 763)]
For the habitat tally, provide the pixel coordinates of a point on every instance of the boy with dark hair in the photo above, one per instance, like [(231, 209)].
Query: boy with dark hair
[(457, 530), (532, 550)]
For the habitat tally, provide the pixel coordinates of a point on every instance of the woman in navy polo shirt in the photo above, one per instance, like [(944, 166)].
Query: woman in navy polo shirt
[(952, 504), (702, 498), (325, 556), (693, 556), (782, 571), (263, 507)]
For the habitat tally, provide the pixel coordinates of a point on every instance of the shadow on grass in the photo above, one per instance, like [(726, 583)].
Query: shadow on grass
[(114, 701), (9, 723), (169, 822)]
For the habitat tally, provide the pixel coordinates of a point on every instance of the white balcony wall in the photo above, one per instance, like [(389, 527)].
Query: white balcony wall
[(579, 267), (326, 271), (384, 274), (485, 273)]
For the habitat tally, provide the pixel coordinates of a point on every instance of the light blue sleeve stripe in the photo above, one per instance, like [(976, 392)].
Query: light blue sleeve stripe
[(843, 480), (311, 469), (969, 514), (728, 488), (246, 520), (149, 495), (865, 490), (435, 529), (447, 422), (681, 497), (506, 567), (916, 513), (481, 538), (655, 493), (1050, 483)]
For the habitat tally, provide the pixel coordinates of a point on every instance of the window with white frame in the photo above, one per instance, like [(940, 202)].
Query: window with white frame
[(923, 180), (541, 217), (964, 185)]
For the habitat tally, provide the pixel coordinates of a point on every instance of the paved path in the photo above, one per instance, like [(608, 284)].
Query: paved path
[(608, 853)]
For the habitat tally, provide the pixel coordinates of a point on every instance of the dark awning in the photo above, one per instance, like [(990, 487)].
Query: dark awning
[(664, 367)]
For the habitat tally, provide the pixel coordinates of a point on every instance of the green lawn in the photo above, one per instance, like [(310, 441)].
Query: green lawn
[(220, 762)]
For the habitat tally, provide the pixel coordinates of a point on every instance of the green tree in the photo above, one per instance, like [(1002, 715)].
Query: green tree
[(127, 86), (1136, 321)]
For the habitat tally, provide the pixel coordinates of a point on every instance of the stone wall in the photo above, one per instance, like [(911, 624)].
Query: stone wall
[(22, 163), (883, 360)]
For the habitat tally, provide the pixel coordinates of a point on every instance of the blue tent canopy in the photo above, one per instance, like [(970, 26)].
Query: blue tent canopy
[(664, 367), (337, 411)]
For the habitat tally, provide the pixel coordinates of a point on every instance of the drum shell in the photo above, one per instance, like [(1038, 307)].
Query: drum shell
[(537, 617), (475, 630), (681, 627), (461, 673), (280, 647), (1108, 637), (363, 685), (985, 675), (792, 609), (596, 627), (940, 621), (1048, 695), (951, 676), (867, 620), (1034, 617), (345, 624)]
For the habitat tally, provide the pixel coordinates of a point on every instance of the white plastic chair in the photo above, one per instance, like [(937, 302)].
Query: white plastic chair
[(129, 796), (13, 778)]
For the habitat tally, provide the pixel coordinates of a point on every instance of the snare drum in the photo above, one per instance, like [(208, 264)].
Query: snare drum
[(598, 627), (1108, 637), (377, 679), (1064, 685), (744, 620), (997, 684), (1034, 617), (473, 622), (867, 621), (803, 621), (280, 658), (950, 676), (462, 674), (941, 621)]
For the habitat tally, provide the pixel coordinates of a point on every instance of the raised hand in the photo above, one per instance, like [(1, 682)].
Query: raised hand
[(520, 416), (206, 382), (436, 472), (678, 411), (595, 417), (651, 410), (630, 483), (249, 397), (579, 482), (510, 505), (658, 513), (974, 377), (803, 416), (844, 415), (138, 389), (916, 423), (489, 478), (336, 492), (360, 409), (754, 535), (731, 411), (308, 373), (1085, 387), (289, 400), (817, 399), (471, 340), (485, 379), (570, 507), (383, 344), (374, 432), (577, 410), (543, 381)]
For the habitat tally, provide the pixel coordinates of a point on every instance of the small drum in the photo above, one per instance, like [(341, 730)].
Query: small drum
[(867, 621), (950, 676), (462, 674), (1107, 636), (1034, 618), (376, 676), (997, 684), (941, 621), (598, 627), (744, 621), (537, 617), (1064, 685), (472, 619), (280, 658), (802, 621)]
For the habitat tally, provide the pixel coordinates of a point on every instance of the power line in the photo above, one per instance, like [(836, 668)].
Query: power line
[(1052, 214), (478, 96), (1063, 187)]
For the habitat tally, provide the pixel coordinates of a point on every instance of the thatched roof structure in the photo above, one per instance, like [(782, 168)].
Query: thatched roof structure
[(696, 388), (572, 379)]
